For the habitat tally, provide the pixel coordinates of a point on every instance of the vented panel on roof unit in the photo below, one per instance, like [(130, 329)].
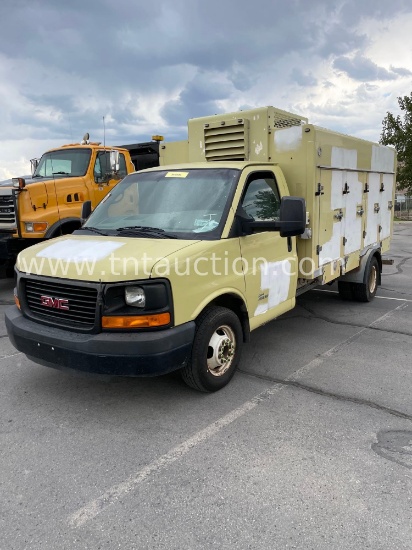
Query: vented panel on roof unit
[(227, 140), (283, 120)]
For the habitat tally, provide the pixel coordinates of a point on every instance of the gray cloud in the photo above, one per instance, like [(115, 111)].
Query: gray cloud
[(400, 71), (200, 96), (303, 79), (363, 69), (150, 66)]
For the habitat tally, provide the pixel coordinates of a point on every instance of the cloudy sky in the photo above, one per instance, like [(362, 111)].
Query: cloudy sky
[(149, 66)]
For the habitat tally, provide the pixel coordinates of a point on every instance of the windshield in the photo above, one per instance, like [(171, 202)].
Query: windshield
[(190, 203), (65, 162)]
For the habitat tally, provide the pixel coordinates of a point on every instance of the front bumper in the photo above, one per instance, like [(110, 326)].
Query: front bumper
[(118, 354), (11, 246)]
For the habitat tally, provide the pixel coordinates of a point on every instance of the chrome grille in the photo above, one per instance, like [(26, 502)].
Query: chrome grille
[(7, 213), (81, 301)]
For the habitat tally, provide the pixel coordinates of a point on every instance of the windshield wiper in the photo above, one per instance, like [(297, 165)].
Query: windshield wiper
[(95, 230), (61, 173), (140, 228), (136, 230)]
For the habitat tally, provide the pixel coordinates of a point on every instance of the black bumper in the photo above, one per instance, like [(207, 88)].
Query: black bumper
[(10, 246), (118, 354), (5, 248)]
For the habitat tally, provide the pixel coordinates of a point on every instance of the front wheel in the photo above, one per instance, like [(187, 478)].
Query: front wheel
[(216, 350)]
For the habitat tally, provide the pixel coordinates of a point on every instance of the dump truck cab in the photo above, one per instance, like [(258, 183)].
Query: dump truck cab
[(48, 204)]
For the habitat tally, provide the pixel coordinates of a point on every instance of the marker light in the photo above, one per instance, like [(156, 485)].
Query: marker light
[(19, 183), (138, 321), (36, 227)]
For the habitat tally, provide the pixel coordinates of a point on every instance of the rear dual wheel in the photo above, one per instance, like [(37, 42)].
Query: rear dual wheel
[(362, 292), (365, 292)]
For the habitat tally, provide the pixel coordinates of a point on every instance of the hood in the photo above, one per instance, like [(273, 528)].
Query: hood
[(95, 258), (9, 183), (29, 180)]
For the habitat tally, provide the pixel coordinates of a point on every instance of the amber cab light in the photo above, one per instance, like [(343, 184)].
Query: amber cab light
[(36, 227), (39, 227), (136, 321)]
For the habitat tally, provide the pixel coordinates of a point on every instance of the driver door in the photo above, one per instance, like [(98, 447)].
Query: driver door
[(269, 260)]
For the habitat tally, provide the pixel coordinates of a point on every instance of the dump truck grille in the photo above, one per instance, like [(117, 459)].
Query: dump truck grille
[(61, 303), (7, 213), (227, 141)]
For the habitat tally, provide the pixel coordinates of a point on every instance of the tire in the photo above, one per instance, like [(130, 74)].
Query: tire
[(345, 290), (365, 292), (216, 350)]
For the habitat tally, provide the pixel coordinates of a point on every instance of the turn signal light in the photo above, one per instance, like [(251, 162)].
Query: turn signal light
[(40, 226), (36, 227), (17, 301), (136, 321)]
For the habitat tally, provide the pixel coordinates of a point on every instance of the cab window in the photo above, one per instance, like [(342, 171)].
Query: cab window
[(102, 167), (261, 199)]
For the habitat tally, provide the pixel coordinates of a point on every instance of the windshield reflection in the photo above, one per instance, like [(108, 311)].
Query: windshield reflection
[(189, 203)]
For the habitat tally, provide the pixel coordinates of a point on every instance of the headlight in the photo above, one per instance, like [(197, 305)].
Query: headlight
[(36, 227), (135, 296)]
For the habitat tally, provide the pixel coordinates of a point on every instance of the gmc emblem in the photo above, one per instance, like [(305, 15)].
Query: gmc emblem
[(56, 303)]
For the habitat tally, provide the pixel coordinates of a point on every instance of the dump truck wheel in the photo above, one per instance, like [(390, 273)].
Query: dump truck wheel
[(345, 290), (216, 350), (365, 292)]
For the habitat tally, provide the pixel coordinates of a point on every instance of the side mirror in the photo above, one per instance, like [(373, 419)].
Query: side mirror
[(243, 222), (34, 164), (85, 211), (292, 220), (114, 161)]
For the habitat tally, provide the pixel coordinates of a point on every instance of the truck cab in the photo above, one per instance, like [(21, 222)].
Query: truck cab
[(48, 204)]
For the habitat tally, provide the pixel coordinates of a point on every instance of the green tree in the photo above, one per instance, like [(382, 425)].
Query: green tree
[(397, 131), (267, 205)]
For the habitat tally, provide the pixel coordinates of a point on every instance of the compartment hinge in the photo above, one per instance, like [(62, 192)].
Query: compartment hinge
[(320, 190)]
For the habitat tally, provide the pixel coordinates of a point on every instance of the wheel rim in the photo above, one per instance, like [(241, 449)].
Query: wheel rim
[(373, 279), (221, 350)]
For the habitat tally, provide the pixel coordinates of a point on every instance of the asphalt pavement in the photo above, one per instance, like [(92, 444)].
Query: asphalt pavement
[(309, 447)]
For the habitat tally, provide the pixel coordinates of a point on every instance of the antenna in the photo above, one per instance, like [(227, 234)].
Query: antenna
[(71, 129), (104, 133)]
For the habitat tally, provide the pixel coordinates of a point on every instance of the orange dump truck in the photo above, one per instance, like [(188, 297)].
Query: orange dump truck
[(48, 204)]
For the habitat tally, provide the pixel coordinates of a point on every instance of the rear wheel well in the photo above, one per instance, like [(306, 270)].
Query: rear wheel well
[(237, 305), (378, 256)]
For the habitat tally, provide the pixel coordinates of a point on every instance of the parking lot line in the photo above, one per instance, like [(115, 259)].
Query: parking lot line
[(114, 493), (378, 297)]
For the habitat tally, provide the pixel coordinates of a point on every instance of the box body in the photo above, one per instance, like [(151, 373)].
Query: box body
[(348, 183)]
